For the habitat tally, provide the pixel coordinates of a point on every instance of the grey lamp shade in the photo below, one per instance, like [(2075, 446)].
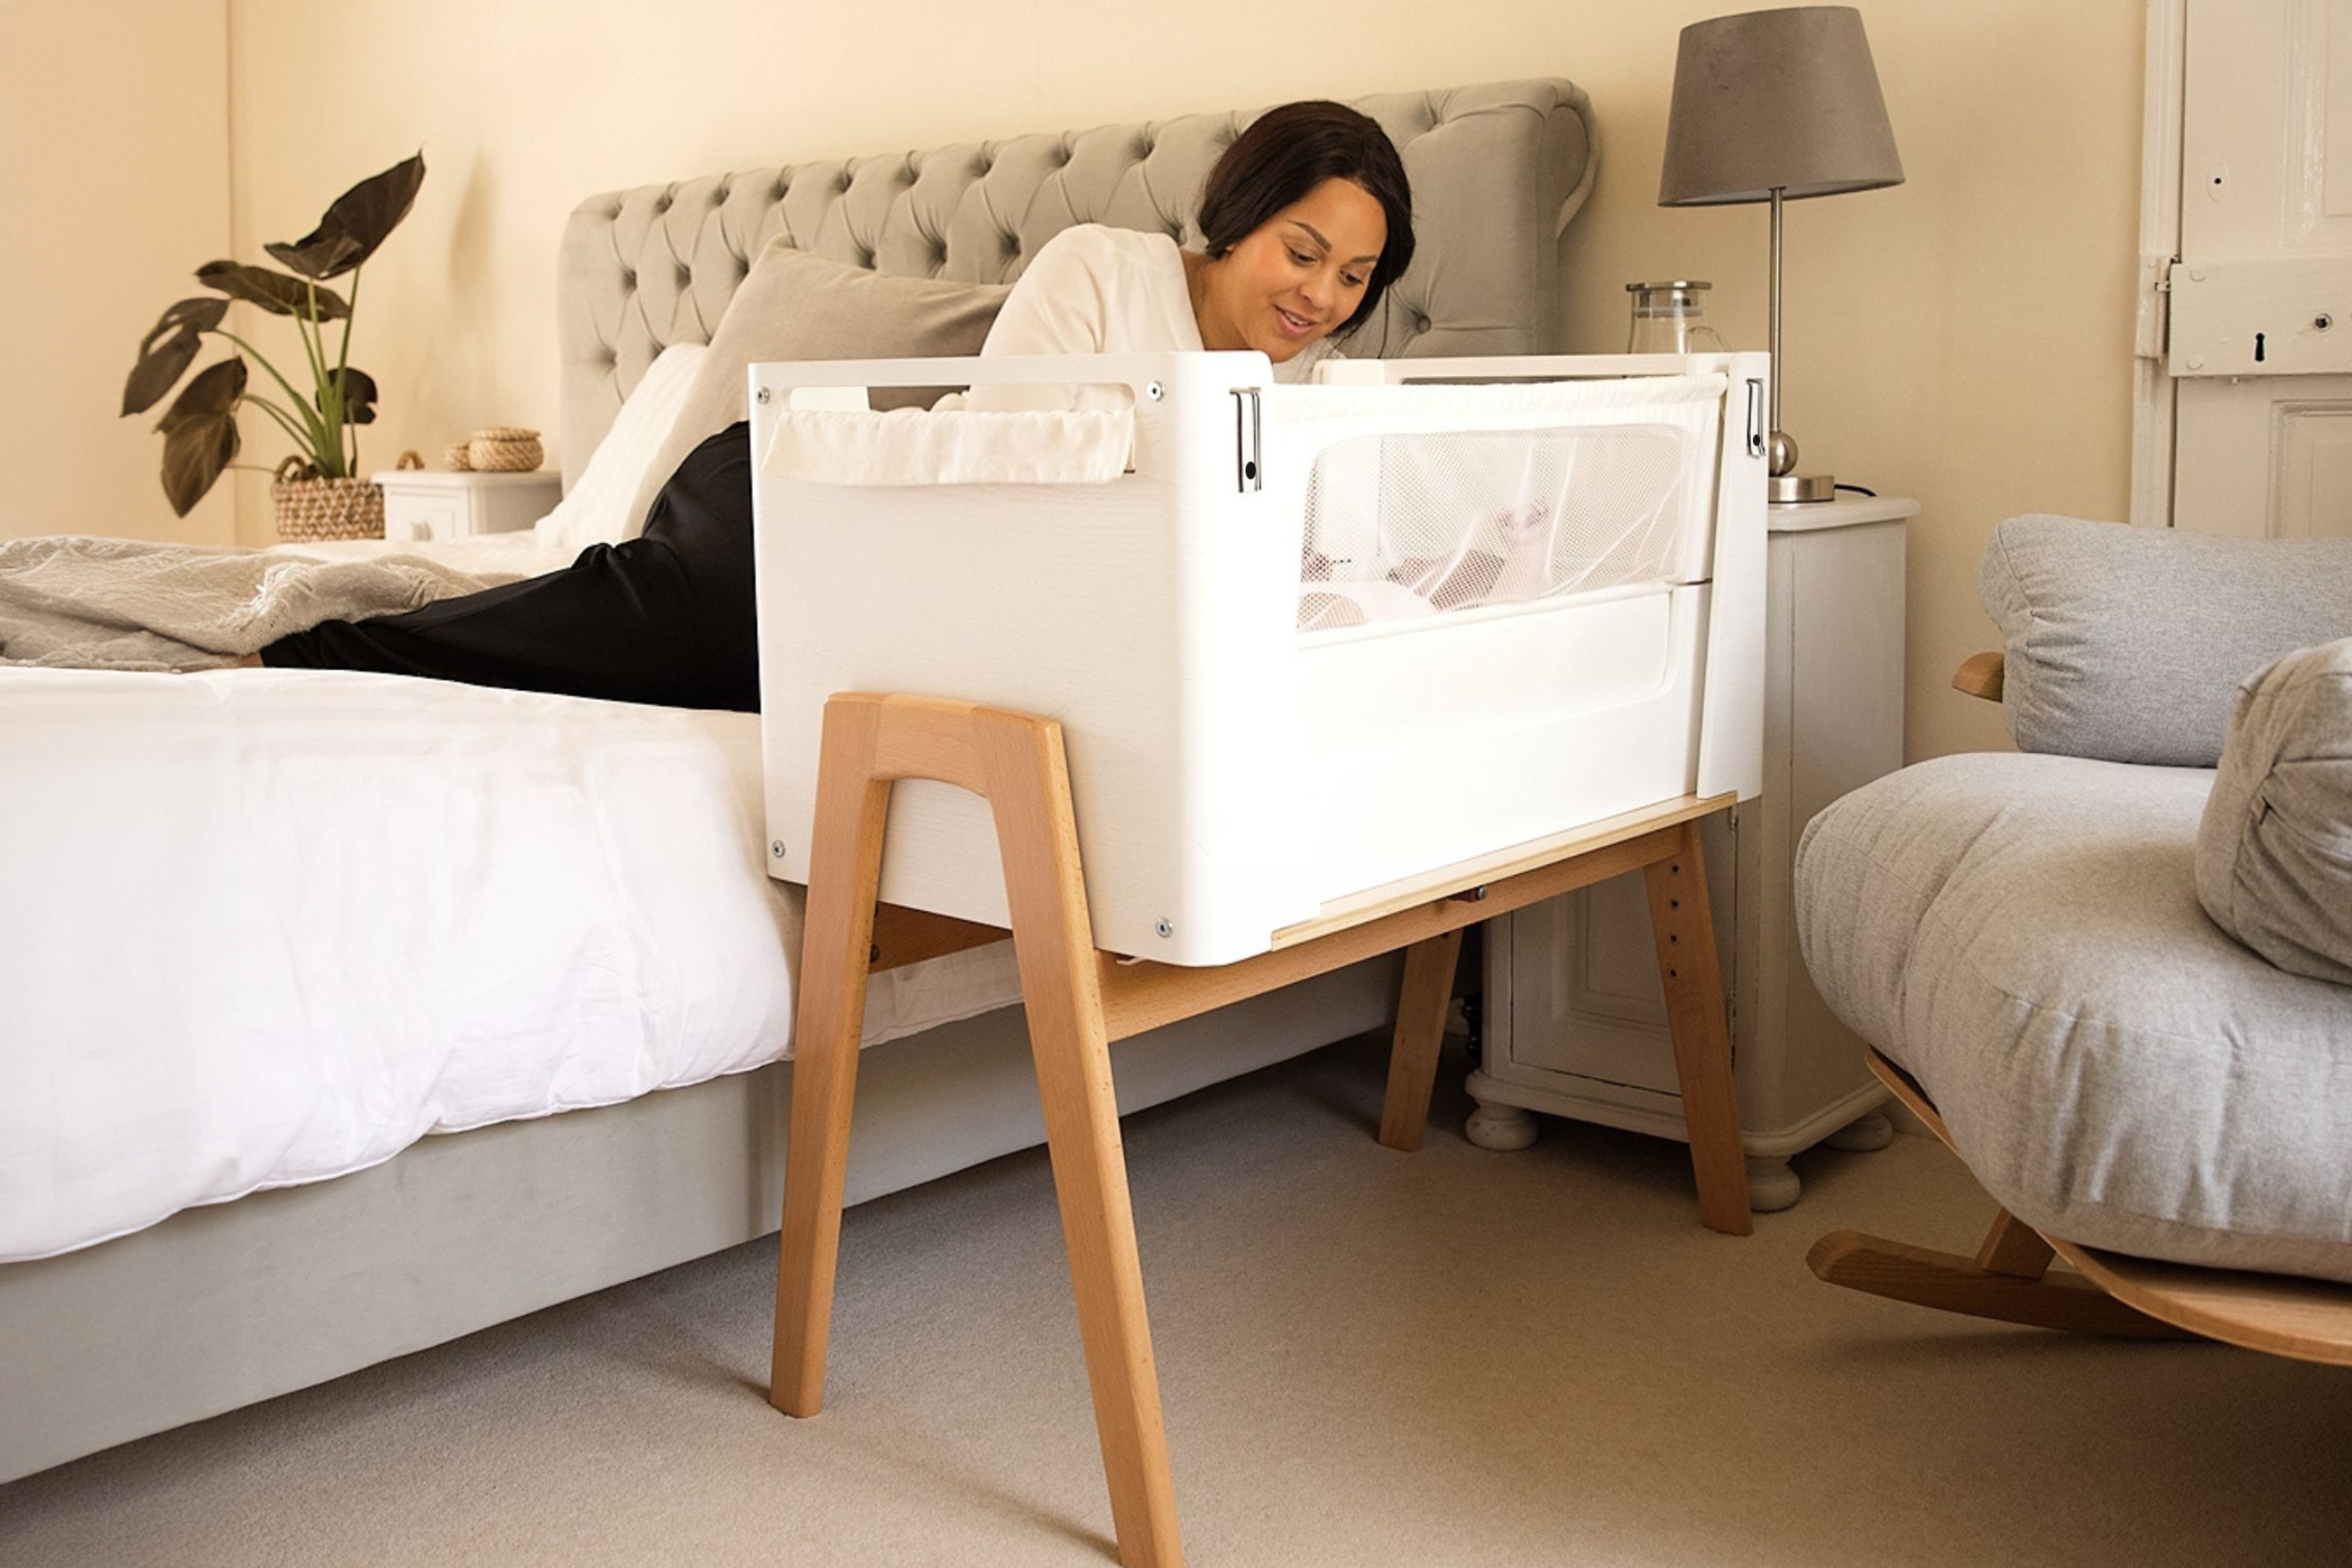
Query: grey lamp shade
[(1783, 99)]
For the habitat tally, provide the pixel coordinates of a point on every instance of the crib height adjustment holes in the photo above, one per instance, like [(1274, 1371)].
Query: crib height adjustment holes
[(1155, 391)]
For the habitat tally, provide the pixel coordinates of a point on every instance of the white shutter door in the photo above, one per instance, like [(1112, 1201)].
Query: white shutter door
[(2261, 306)]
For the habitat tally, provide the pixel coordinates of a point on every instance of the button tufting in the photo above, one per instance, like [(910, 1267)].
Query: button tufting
[(846, 180), (1421, 323), (686, 277), (629, 277), (613, 212), (783, 188), (662, 202)]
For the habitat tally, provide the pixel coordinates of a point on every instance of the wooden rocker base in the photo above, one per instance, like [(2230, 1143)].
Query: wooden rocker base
[(1079, 1001), (2307, 1320)]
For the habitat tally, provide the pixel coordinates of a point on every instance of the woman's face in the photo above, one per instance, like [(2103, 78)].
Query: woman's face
[(1297, 276)]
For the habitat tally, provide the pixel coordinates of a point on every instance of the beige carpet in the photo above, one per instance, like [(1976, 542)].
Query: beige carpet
[(1449, 1358)]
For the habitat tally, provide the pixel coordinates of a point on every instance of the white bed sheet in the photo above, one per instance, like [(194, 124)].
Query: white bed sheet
[(269, 926)]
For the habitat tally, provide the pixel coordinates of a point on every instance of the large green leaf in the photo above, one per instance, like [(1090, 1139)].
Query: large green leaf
[(212, 394), (274, 291), (361, 219), (200, 433), (168, 350), (359, 397)]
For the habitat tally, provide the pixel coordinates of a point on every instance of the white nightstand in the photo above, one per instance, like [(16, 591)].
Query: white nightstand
[(422, 504), (1574, 1019)]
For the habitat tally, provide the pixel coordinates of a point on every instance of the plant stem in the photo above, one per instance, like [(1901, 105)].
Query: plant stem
[(330, 393), (313, 442), (342, 355), (280, 415)]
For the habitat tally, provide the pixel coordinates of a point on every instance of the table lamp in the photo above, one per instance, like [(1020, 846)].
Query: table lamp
[(1776, 106)]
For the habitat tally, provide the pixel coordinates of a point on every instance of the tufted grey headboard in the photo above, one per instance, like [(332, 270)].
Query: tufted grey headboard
[(1497, 172)]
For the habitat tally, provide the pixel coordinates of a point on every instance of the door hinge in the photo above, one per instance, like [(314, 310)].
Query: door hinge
[(2151, 337)]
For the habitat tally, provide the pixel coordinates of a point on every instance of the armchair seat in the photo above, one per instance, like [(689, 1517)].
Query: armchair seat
[(2021, 933)]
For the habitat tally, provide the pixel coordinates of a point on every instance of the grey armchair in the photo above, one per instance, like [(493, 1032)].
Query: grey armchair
[(2021, 938)]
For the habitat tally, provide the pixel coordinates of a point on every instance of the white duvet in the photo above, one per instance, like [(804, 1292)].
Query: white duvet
[(264, 926)]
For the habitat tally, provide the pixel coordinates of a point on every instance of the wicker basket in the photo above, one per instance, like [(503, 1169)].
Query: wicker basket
[(312, 509)]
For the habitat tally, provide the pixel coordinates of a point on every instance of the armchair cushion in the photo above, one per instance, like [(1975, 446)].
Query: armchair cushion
[(2125, 644), (2275, 850), (2022, 934)]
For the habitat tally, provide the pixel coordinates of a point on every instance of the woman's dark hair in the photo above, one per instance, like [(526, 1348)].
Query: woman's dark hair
[(1287, 152)]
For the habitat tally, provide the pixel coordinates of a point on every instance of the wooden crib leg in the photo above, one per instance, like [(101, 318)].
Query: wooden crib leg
[(1029, 791), (1684, 929), (1412, 1054), (844, 876), (1017, 763)]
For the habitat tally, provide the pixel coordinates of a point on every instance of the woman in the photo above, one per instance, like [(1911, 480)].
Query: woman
[(1307, 219)]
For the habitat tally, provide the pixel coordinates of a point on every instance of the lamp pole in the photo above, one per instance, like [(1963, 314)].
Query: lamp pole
[(1783, 451)]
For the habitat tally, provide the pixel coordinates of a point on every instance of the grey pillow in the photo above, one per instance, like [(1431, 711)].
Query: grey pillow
[(796, 305), (2125, 644), (2275, 850)]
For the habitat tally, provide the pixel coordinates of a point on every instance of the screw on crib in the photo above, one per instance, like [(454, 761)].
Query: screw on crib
[(776, 849), (1165, 928), (760, 396)]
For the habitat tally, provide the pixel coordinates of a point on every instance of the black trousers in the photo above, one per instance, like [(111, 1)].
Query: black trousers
[(668, 617)]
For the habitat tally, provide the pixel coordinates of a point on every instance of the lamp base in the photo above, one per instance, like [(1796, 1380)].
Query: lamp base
[(1782, 488)]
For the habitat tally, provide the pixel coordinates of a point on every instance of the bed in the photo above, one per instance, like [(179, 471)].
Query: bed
[(288, 1095)]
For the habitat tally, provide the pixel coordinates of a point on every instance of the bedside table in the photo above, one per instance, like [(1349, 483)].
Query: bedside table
[(1573, 1017), (421, 504)]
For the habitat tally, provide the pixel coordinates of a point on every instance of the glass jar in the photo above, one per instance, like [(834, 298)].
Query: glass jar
[(1671, 318)]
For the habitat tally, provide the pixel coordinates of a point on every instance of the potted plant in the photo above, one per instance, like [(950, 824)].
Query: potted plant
[(318, 492)]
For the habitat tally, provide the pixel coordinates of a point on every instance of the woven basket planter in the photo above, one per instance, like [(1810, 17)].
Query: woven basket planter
[(314, 509)]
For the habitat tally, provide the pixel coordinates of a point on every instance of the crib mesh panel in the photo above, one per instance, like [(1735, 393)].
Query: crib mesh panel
[(1520, 493)]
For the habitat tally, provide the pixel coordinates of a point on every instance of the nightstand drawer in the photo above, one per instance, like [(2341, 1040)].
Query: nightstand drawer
[(413, 518), (421, 505)]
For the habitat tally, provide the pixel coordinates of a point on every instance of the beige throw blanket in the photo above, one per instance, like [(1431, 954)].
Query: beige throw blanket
[(127, 604)]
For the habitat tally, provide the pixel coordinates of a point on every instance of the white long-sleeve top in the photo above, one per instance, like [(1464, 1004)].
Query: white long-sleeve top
[(1094, 288)]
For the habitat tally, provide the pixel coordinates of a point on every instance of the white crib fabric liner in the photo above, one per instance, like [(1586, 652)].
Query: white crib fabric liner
[(361, 909), (913, 446)]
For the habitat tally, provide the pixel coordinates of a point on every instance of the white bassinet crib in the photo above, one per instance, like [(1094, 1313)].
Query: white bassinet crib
[(1303, 640), (1253, 681)]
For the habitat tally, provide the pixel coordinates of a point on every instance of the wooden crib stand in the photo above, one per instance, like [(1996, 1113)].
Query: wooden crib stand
[(1080, 1000)]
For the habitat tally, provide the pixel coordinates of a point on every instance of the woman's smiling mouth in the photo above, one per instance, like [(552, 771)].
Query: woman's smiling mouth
[(1296, 326)]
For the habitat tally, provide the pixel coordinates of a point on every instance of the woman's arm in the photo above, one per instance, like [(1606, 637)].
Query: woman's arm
[(1061, 305)]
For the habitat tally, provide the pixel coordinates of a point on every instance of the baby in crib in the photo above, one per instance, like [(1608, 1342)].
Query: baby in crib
[(1307, 219), (1463, 577)]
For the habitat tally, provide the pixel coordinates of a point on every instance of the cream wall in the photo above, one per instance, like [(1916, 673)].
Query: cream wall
[(115, 175), (1964, 339)]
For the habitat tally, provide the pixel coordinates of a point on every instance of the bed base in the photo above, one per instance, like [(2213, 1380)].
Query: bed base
[(2307, 1320), (1078, 1001)]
